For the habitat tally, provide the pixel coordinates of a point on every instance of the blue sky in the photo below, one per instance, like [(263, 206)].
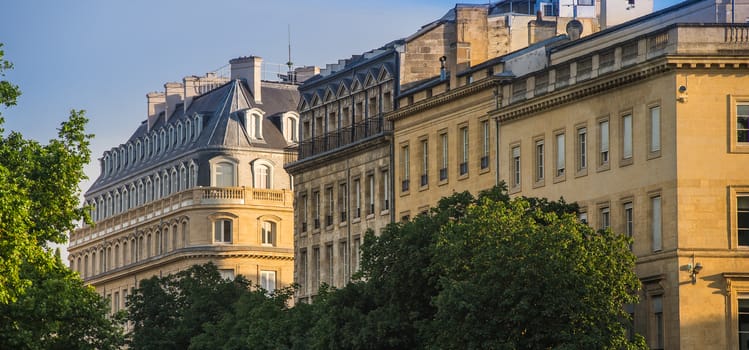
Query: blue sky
[(104, 56)]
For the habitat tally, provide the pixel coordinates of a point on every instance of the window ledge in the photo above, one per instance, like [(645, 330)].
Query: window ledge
[(385, 212), (343, 224), (581, 172), (370, 216), (603, 167), (356, 220), (540, 183), (626, 162), (654, 155)]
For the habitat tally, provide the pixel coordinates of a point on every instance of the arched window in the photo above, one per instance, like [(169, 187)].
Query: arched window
[(147, 148), (254, 123), (125, 199), (183, 234), (224, 174), (175, 181), (158, 243), (115, 161), (262, 172), (165, 177), (149, 190), (85, 266), (182, 178), (172, 137), (180, 134), (109, 205), (156, 187), (138, 150), (133, 196), (268, 233), (117, 201), (78, 266), (131, 153), (198, 126), (125, 257), (134, 249), (101, 209), (193, 175), (141, 193), (188, 130), (163, 141), (92, 211), (174, 237), (291, 126), (148, 247), (116, 262)]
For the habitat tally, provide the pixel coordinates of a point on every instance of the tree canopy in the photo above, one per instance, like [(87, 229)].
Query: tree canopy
[(44, 305), (486, 272)]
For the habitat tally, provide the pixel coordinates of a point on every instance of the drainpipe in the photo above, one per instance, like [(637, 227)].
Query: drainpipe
[(348, 221), (496, 145)]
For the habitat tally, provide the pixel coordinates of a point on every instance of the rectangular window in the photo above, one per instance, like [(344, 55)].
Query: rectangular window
[(464, 150), (629, 226), (627, 136), (742, 122), (316, 209), (304, 213), (268, 280), (485, 144), (331, 264), (515, 166), (222, 231), (658, 337), (316, 266), (605, 217), (226, 274), (343, 202), (116, 301), (560, 159), (655, 128), (405, 169), (539, 160), (385, 188), (582, 150), (370, 194), (303, 273), (656, 223), (424, 163), (329, 206), (268, 233), (603, 146), (742, 220), (443, 161), (343, 257), (583, 217), (743, 328), (357, 198), (357, 244)]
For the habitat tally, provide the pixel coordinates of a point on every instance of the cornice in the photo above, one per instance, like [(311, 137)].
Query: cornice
[(441, 99), (576, 92), (325, 158)]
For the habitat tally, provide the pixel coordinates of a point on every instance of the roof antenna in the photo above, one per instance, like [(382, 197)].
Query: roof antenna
[(292, 78)]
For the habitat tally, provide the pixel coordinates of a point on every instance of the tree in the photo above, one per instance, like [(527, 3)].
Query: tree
[(167, 312), (44, 305), (527, 274), (58, 312)]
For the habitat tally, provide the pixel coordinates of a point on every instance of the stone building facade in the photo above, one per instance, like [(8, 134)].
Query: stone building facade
[(645, 126), (201, 180)]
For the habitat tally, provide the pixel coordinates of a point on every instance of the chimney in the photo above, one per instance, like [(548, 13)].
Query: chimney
[(174, 95), (248, 69), (191, 89), (156, 105)]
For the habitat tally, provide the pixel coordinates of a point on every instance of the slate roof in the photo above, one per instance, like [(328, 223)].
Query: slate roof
[(222, 126)]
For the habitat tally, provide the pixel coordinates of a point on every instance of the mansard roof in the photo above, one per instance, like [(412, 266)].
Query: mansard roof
[(221, 111)]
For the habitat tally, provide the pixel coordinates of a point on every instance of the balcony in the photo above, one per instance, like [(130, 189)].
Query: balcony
[(187, 199), (339, 138)]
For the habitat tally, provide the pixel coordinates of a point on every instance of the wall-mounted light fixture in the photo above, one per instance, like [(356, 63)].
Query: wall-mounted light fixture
[(694, 269)]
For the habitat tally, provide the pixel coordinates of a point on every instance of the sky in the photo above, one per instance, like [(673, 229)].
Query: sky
[(105, 56)]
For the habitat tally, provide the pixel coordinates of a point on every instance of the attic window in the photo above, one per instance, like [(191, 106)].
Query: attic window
[(254, 125)]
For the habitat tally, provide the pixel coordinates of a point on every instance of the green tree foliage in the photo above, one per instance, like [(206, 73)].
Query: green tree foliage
[(167, 312), (474, 273), (44, 305), (58, 312)]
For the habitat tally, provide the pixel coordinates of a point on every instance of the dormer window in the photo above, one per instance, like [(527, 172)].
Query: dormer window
[(163, 141), (198, 125), (180, 134), (254, 123), (172, 137), (188, 130), (139, 151), (291, 126), (156, 146)]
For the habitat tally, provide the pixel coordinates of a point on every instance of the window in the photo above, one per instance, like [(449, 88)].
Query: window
[(539, 161), (116, 301), (268, 233), (255, 124), (357, 198), (582, 150), (223, 175), (424, 163), (329, 207), (343, 257), (603, 145), (655, 203), (605, 218), (742, 123), (262, 176), (316, 209), (303, 272), (343, 201), (268, 280), (304, 214), (743, 311), (560, 158), (627, 137), (405, 168), (515, 166), (742, 220), (316, 267), (629, 226), (222, 231), (464, 150), (226, 274), (331, 266), (385, 188), (485, 144), (655, 129), (583, 217), (443, 161), (657, 340), (370, 194), (357, 244)]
